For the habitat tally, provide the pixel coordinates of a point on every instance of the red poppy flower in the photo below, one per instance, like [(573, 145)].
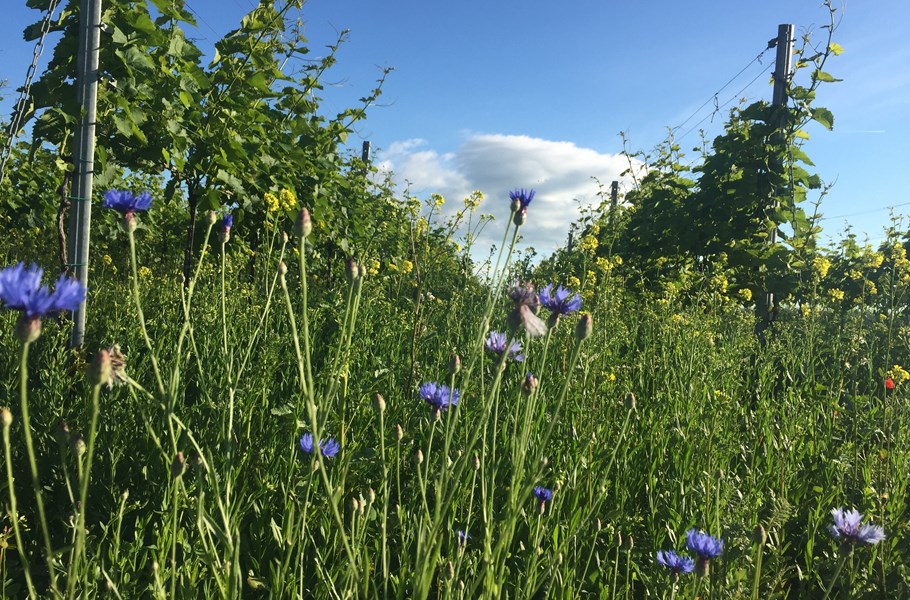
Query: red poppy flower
[(889, 384)]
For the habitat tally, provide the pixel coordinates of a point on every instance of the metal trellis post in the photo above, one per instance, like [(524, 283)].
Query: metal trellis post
[(84, 152)]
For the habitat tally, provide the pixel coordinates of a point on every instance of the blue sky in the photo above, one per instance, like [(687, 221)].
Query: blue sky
[(495, 95)]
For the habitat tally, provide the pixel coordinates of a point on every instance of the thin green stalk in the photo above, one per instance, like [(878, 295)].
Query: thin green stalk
[(33, 466), (840, 567), (145, 334), (79, 553), (7, 419)]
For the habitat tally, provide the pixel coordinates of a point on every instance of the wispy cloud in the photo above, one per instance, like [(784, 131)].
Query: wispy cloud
[(562, 173)]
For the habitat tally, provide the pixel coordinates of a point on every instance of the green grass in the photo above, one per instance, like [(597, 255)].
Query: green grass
[(195, 484)]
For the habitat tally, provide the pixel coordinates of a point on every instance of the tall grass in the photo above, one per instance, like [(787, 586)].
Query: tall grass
[(189, 479)]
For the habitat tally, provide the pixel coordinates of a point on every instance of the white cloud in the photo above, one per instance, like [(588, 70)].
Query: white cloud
[(560, 172)]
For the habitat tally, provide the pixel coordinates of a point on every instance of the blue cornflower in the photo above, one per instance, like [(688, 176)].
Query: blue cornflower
[(521, 198), (559, 302), (705, 546), (21, 289), (439, 396), (675, 562), (847, 526), (227, 221), (124, 202), (497, 342), (543, 495), (463, 537), (328, 448)]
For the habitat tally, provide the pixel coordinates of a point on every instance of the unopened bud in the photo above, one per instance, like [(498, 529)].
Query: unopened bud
[(419, 456), (213, 218), (28, 329), (125, 494), (371, 494), (399, 432), (529, 385), (63, 433), (760, 535), (99, 372), (454, 364), (476, 463), (450, 570), (178, 465), (282, 268), (584, 328), (379, 403), (351, 270), (630, 401), (128, 222), (303, 226), (631, 542), (77, 444), (6, 417), (599, 525), (520, 217), (284, 237)]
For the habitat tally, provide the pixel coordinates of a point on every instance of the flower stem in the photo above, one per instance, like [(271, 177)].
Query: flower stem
[(33, 466)]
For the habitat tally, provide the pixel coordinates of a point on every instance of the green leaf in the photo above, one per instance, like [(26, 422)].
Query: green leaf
[(835, 48), (826, 77), (824, 117)]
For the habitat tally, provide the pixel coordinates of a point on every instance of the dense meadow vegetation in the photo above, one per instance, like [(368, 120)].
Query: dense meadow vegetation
[(299, 383)]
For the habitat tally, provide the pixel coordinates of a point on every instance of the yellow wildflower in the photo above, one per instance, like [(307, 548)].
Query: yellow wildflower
[(591, 278), (573, 283), (595, 229), (106, 259), (374, 266), (821, 266), (288, 200), (474, 200), (874, 259), (855, 274), (720, 283), (589, 244), (407, 266), (836, 294), (393, 267), (437, 200), (144, 272), (271, 202), (870, 288), (898, 374), (611, 377), (745, 294), (604, 264), (617, 260)]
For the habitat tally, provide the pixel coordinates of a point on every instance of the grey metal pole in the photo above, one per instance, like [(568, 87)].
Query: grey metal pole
[(84, 151), (614, 195), (782, 66)]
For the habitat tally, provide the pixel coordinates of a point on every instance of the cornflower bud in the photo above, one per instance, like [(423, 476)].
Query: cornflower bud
[(213, 218), (6, 417), (630, 401), (351, 270), (399, 432), (379, 403), (303, 226), (77, 444), (99, 372), (760, 536), (584, 328), (419, 456), (454, 364), (178, 465), (282, 268)]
